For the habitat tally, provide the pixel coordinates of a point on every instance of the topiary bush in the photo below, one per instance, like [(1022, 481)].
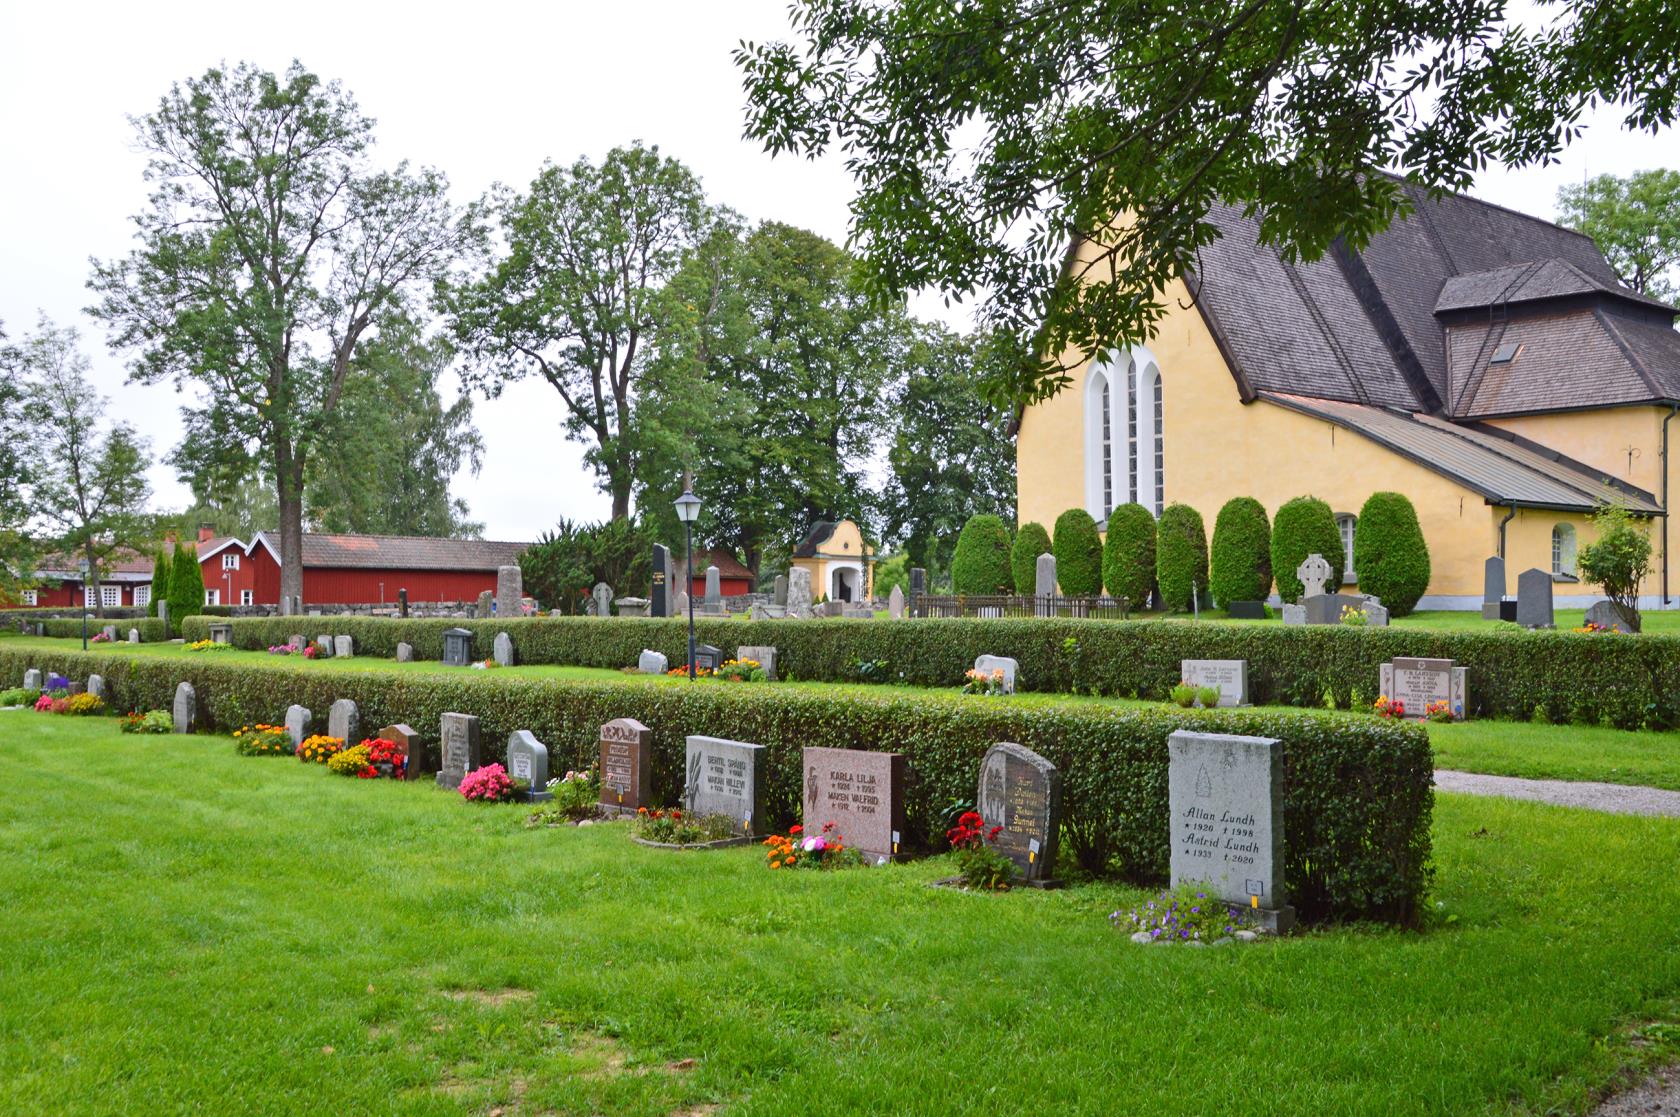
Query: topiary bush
[(1128, 556), (186, 586), (161, 568), (1181, 556), (1079, 554), (1304, 526), (981, 563), (1030, 542), (1390, 556), (1240, 566)]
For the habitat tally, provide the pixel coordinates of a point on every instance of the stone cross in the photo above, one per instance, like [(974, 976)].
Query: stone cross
[(459, 749), (895, 603), (300, 723), (1044, 584), (502, 649), (186, 708), (528, 761), (1313, 573), (799, 593), (344, 721), (510, 588), (603, 595)]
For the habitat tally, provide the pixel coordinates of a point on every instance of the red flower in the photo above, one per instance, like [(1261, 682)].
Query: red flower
[(796, 830)]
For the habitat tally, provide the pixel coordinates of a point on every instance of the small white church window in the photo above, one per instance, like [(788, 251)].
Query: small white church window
[(1563, 550), (1348, 525)]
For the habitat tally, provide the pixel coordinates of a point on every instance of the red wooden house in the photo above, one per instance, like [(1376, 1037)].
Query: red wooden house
[(733, 578)]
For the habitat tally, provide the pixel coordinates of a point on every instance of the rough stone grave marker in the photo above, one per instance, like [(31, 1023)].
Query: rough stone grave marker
[(1229, 675), (510, 588), (486, 604), (762, 655), (221, 632), (861, 792), (457, 647), (990, 664), (721, 777), (652, 662), (300, 723), (1021, 791), (458, 749), (502, 649), (1417, 682), (799, 593), (186, 708), (411, 746), (96, 686), (405, 652), (528, 761), (1606, 614), (626, 765), (1225, 796), (1493, 587), (344, 721), (895, 603), (681, 603), (1534, 599), (1044, 580), (343, 647)]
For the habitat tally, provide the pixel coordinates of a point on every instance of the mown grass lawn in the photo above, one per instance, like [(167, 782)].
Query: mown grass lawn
[(187, 930)]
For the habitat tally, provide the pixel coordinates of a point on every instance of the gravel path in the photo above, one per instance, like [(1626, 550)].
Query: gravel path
[(1614, 798), (1658, 1094)]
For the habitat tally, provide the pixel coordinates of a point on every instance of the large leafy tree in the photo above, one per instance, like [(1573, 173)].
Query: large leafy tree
[(1636, 222), (17, 551), (987, 138), (269, 254), (576, 296), (90, 487)]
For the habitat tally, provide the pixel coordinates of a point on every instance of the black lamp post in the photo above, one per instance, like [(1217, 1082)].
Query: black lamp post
[(86, 599), (688, 510)]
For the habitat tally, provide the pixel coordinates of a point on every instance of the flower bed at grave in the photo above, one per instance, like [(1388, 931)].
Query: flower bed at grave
[(674, 827), (1357, 791), (1630, 683), (319, 748), (262, 740)]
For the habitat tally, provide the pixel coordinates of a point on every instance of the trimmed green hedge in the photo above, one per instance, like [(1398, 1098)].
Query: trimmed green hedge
[(1357, 792), (1078, 554), (1390, 557), (1621, 681), (1240, 567), (981, 562), (151, 629), (1129, 554), (1304, 526), (1030, 542), (1181, 557)]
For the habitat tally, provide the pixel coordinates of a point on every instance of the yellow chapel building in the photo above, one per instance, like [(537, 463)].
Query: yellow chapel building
[(1485, 363)]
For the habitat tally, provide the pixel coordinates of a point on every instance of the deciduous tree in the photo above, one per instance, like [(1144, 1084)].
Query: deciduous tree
[(1636, 223)]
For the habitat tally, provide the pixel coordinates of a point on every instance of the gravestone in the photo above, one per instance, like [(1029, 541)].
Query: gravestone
[(402, 604), (528, 760), (1021, 791), (1246, 610), (300, 723), (411, 746), (1534, 599), (626, 765), (758, 611), (405, 652), (502, 649), (1044, 582), (918, 582), (1606, 614), (632, 607), (74, 688), (96, 686), (186, 708), (652, 662), (799, 593), (1313, 572), (861, 792), (459, 750), (297, 642), (221, 632), (681, 603), (297, 604), (1229, 675), (1417, 682), (134, 636), (895, 603), (110, 632), (660, 596), (833, 608), (721, 777), (510, 588), (324, 646), (1493, 587), (988, 664), (344, 721), (457, 647), (780, 588), (1225, 796), (1294, 614), (764, 656), (603, 597), (163, 615), (32, 679), (1326, 608), (1376, 613), (706, 656), (486, 604), (343, 647), (714, 591)]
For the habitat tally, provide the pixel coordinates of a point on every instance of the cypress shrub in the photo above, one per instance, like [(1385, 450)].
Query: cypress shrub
[(1181, 556), (1240, 567), (186, 587), (1128, 557), (1079, 554), (1390, 556), (1030, 542), (160, 581), (1304, 526), (981, 563)]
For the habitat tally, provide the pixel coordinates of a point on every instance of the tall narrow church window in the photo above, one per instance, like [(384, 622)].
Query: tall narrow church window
[(1347, 524), (1563, 551), (1131, 431), (1160, 449), (1107, 448)]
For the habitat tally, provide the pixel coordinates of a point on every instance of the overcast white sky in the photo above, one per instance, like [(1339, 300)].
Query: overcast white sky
[(483, 91)]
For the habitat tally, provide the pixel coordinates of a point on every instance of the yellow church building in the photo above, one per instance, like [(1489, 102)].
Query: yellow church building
[(1485, 363), (842, 565)]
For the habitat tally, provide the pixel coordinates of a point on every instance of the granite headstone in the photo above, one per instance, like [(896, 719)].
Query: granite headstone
[(1229, 675), (1021, 791), (134, 636), (1534, 599), (96, 686), (1225, 798), (186, 708), (762, 655), (1416, 682), (1606, 614), (626, 765), (799, 593), (707, 657), (528, 760), (457, 647), (502, 649), (659, 597), (1044, 582), (721, 777), (405, 652), (221, 632), (411, 746), (344, 647), (861, 792), (991, 664), (344, 721), (895, 603), (603, 596), (32, 679), (652, 663), (510, 589), (300, 724), (1493, 587), (459, 750), (780, 590)]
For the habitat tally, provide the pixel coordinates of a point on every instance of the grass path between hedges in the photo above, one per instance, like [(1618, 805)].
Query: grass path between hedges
[(1495, 748), (191, 930)]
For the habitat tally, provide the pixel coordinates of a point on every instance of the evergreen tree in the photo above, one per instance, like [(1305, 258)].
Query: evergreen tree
[(1302, 527), (1079, 554), (1390, 556), (186, 586), (1181, 556), (1241, 563), (161, 568), (1030, 542), (1128, 557), (981, 563)]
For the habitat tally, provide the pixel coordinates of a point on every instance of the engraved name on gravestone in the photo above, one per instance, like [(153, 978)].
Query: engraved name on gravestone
[(300, 723), (1229, 675), (528, 761), (510, 590), (458, 747), (1021, 791), (1225, 798), (344, 721), (1418, 682), (457, 647), (659, 597), (186, 708), (721, 777), (410, 746), (860, 792), (626, 765)]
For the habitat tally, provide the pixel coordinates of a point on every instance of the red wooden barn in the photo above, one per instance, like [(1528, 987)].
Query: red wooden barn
[(733, 578)]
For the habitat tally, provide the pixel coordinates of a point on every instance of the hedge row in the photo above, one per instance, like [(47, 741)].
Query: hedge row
[(1357, 792), (1625, 681), (151, 629)]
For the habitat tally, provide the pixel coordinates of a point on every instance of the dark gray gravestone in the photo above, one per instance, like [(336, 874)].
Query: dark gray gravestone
[(779, 590), (186, 708), (459, 750), (707, 657), (510, 589), (457, 647), (660, 596), (1022, 792), (721, 777), (1493, 587), (412, 746), (1534, 599), (1246, 610), (1326, 608), (652, 662), (1607, 614), (300, 723), (528, 761), (860, 792), (626, 765), (344, 721), (1225, 796), (502, 649), (763, 655), (918, 581), (402, 604)]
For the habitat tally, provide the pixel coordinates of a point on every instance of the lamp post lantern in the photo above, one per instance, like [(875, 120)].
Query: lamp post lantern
[(688, 510), (87, 597)]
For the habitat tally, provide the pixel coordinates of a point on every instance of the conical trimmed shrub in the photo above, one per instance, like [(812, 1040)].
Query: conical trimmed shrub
[(1240, 565), (1181, 556), (1128, 558), (1078, 550), (981, 563), (1302, 527), (1030, 542), (1390, 555)]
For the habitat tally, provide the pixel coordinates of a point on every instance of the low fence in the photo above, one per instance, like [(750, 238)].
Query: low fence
[(1019, 605)]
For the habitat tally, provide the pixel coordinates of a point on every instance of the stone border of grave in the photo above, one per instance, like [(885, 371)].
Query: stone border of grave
[(1143, 938), (957, 884), (721, 843)]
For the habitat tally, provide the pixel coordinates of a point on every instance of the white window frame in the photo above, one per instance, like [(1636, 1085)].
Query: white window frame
[(1565, 550), (246, 597), (87, 596), (110, 595), (212, 597), (142, 596), (1347, 525), (31, 597), (1132, 382), (230, 561)]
